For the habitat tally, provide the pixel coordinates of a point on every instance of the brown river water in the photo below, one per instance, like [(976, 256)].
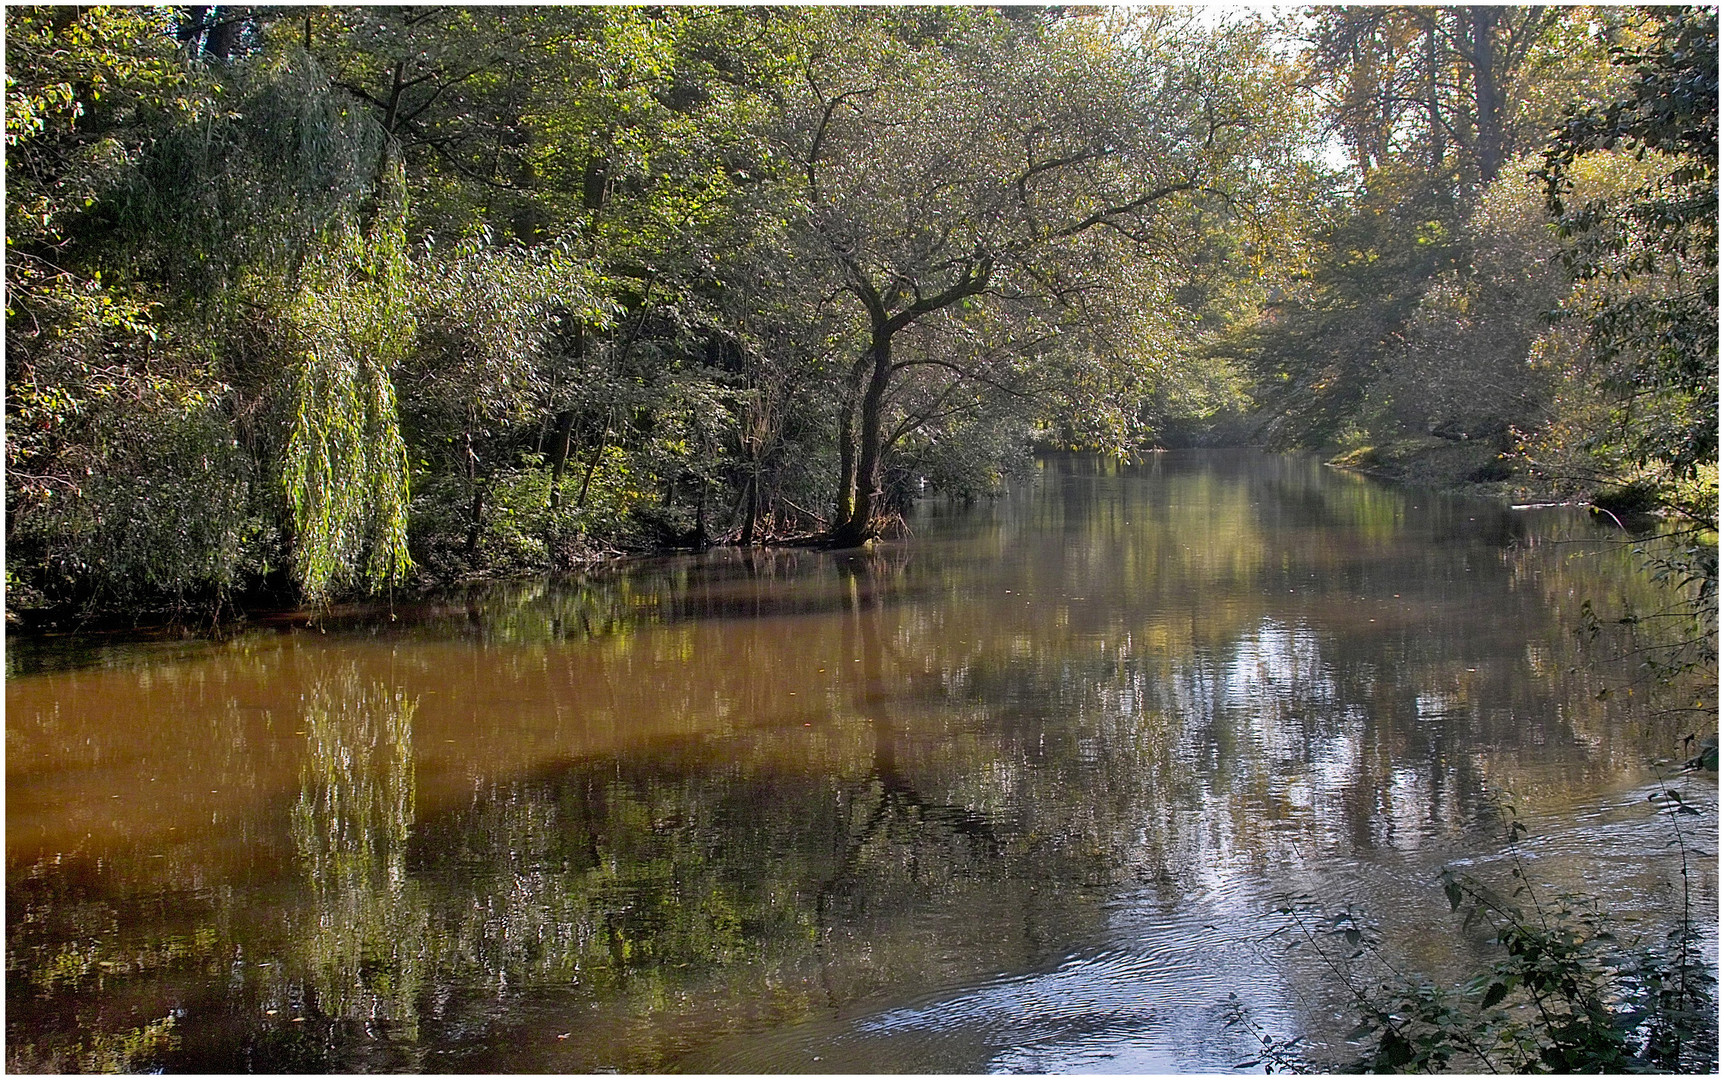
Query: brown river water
[(1019, 792)]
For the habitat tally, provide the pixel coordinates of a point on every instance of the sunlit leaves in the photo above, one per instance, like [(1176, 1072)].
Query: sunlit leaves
[(1654, 322), (345, 463)]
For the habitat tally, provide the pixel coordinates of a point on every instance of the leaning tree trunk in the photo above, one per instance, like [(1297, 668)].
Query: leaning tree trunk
[(593, 465), (560, 439)]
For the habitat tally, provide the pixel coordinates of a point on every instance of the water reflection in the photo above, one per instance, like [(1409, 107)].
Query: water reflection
[(366, 924), (800, 810)]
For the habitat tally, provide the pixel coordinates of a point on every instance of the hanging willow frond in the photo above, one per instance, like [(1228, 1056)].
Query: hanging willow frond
[(344, 465)]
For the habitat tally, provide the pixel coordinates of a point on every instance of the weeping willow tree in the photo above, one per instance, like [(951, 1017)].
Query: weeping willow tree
[(344, 465), (286, 219), (293, 206), (232, 424)]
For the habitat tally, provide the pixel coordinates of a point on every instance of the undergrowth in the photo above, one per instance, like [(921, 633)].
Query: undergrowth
[(1569, 988)]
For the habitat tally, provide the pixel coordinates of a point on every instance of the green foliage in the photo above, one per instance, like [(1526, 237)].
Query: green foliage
[(483, 371), (1570, 990), (124, 485), (224, 213), (1452, 91), (643, 321), (345, 464), (1637, 347), (1460, 370), (1444, 331), (1652, 320), (143, 497), (1003, 216), (83, 88), (683, 273), (966, 455), (1323, 349)]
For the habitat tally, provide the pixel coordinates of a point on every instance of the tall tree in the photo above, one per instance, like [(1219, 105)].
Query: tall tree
[(1653, 323), (1412, 84), (961, 160), (1431, 103)]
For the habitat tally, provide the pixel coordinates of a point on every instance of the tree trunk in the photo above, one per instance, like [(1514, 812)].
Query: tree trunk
[(1487, 95), (860, 524), (592, 466), (1433, 104), (751, 499), (223, 35), (393, 107), (476, 516), (474, 521), (846, 461), (565, 421), (191, 28), (560, 454)]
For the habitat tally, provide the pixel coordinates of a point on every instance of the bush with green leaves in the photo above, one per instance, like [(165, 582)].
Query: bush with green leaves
[(150, 502), (1570, 989)]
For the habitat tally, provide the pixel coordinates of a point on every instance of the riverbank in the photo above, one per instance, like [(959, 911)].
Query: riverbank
[(269, 609), (1482, 468), (1461, 467), (1473, 468)]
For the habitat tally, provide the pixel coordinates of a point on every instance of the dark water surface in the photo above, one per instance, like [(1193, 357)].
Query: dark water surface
[(1014, 794)]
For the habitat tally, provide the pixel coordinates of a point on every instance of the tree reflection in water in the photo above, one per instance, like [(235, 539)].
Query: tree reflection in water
[(738, 811), (366, 921)]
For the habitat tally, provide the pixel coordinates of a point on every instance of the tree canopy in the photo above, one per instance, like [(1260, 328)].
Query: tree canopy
[(312, 302)]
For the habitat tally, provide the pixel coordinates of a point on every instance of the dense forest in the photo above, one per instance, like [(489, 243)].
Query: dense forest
[(304, 303)]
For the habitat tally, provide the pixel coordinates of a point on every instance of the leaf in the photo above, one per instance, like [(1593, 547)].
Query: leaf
[(1394, 1051), (1496, 993)]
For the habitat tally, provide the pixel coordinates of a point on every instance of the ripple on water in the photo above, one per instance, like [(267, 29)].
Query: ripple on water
[(1619, 850), (1142, 1010), (1159, 1007), (1156, 1006)]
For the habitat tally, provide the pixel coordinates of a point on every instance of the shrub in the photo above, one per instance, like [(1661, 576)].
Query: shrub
[(1568, 992)]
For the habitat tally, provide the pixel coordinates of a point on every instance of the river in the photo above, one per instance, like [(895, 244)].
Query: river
[(1021, 791)]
